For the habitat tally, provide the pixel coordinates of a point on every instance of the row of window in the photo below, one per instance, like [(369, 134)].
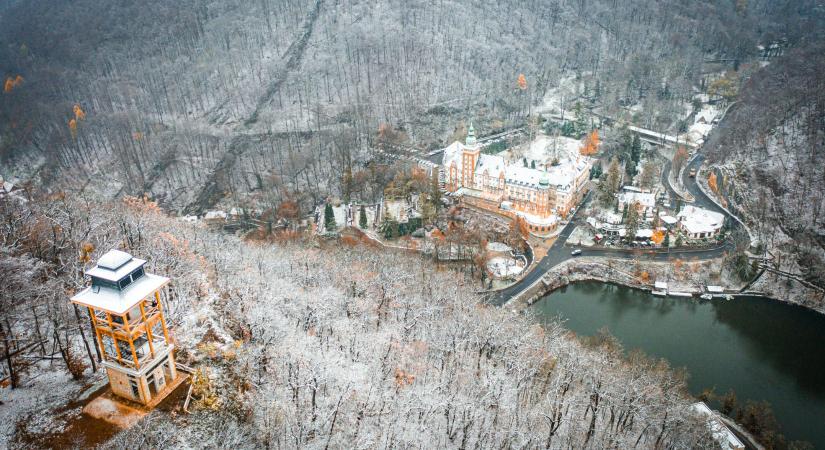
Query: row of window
[(122, 283)]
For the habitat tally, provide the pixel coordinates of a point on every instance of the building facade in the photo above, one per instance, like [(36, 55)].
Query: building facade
[(698, 223), (540, 196)]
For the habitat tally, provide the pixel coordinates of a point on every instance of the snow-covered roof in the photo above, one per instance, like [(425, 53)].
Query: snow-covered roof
[(661, 285), (214, 215), (452, 154), (715, 289), (644, 233), (611, 218), (670, 220), (493, 164), (116, 301), (115, 265), (523, 176), (563, 175), (118, 283), (697, 220), (646, 199)]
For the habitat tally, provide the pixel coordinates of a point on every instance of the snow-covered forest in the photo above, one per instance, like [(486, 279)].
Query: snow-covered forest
[(330, 347), (771, 150), (123, 122), (193, 102)]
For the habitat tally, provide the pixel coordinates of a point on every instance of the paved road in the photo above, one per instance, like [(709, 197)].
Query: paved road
[(559, 252)]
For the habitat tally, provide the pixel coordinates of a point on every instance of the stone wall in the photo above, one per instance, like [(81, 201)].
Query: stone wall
[(580, 269)]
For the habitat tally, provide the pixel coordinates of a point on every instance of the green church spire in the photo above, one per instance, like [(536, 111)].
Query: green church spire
[(471, 136)]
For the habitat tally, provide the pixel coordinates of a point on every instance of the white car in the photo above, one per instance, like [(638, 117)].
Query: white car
[(576, 252)]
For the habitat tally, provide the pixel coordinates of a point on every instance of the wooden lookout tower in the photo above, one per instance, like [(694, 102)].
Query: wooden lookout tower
[(124, 303)]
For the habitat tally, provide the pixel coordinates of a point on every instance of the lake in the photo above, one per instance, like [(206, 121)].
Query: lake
[(761, 348)]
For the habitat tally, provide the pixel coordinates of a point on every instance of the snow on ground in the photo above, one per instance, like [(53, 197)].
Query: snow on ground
[(33, 402), (561, 96), (339, 212), (504, 267), (498, 247), (581, 236), (369, 211), (544, 148)]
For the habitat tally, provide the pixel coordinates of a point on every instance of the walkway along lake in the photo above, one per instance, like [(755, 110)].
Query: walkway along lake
[(761, 348)]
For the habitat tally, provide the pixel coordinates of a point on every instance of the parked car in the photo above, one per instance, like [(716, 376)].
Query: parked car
[(693, 173), (576, 252)]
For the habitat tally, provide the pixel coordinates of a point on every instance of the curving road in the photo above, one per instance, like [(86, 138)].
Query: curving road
[(559, 252)]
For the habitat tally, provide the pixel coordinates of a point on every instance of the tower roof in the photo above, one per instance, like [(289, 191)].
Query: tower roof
[(471, 135), (114, 265), (118, 283)]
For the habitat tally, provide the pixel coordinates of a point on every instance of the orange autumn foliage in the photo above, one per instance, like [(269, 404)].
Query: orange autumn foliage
[(591, 144), (644, 277), (12, 83), (86, 250), (73, 127), (712, 182), (522, 81), (403, 378), (658, 237), (78, 113)]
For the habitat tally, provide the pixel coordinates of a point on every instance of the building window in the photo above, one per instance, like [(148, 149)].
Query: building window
[(100, 282), (134, 385), (126, 281), (137, 273)]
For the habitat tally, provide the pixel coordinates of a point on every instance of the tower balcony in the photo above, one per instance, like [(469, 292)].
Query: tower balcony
[(143, 355), (130, 325)]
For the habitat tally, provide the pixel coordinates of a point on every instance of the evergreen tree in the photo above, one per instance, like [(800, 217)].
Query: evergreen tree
[(568, 129), (362, 218), (596, 171), (525, 161), (610, 183), (636, 149), (390, 228), (533, 164), (632, 221), (329, 218), (667, 240)]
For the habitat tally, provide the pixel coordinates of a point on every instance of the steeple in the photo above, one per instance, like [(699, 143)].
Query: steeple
[(471, 136)]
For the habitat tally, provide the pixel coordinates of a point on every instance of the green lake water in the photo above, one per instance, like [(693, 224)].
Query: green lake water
[(761, 348)]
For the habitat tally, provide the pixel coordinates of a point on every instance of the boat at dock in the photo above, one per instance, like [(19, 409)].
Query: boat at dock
[(679, 294)]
